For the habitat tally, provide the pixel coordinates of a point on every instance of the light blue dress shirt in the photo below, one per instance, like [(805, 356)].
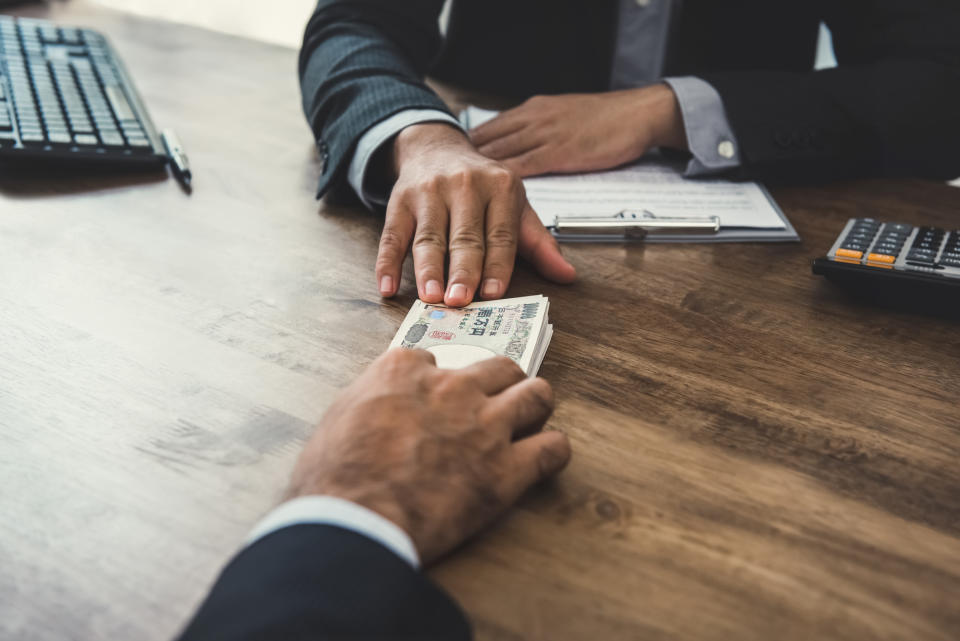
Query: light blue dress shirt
[(638, 61)]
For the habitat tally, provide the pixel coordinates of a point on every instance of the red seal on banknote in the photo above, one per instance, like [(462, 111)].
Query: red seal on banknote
[(441, 335)]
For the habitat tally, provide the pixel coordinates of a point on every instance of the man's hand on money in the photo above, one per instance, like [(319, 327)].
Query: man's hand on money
[(438, 452), (451, 203)]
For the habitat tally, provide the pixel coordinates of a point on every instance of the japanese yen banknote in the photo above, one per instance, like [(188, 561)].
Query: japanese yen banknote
[(518, 328)]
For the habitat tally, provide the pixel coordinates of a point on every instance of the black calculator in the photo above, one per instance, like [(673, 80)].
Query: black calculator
[(897, 263)]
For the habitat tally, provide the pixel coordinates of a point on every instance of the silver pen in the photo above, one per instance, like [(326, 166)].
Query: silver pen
[(181, 163)]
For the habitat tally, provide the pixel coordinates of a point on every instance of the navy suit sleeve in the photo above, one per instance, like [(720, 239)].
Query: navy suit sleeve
[(324, 583), (363, 61), (890, 108)]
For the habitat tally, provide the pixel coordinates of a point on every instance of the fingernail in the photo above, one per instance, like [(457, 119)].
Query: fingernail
[(458, 291), (491, 288), (386, 285), (433, 289)]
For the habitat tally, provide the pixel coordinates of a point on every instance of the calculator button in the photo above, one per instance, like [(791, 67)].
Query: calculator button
[(849, 253), (886, 250), (881, 258), (898, 228), (855, 245)]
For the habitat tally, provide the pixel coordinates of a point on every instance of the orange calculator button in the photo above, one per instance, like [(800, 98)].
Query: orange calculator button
[(849, 253), (882, 258)]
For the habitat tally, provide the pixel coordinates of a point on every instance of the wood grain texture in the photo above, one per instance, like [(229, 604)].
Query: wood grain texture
[(756, 456)]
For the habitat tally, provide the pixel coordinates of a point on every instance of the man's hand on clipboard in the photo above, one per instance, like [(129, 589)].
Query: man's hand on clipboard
[(576, 133), (450, 203)]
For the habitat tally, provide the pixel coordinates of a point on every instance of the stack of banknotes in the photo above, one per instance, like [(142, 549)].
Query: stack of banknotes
[(518, 328)]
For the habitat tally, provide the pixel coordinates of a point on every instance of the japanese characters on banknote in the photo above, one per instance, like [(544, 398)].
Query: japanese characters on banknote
[(518, 328)]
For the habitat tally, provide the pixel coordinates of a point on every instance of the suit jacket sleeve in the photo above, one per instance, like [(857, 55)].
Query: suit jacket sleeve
[(363, 61), (324, 583), (890, 108)]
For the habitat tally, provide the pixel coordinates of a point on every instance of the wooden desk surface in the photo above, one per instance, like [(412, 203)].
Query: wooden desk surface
[(755, 456)]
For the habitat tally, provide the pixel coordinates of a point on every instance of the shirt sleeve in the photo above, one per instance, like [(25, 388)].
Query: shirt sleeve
[(374, 139), (709, 134), (330, 510)]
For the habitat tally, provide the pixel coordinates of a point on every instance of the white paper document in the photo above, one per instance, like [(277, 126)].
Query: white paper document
[(657, 186)]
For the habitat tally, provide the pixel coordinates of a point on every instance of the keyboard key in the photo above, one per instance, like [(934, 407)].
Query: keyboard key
[(139, 142), (50, 33), (881, 258), (61, 138), (81, 127), (112, 139), (86, 139)]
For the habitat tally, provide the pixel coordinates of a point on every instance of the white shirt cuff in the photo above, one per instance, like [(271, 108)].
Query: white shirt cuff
[(379, 134), (709, 134), (330, 510)]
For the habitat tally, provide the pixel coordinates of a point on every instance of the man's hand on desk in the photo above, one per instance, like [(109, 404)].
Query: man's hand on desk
[(582, 132), (450, 202), (440, 453)]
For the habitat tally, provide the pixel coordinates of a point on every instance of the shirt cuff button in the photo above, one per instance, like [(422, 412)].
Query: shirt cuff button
[(726, 149)]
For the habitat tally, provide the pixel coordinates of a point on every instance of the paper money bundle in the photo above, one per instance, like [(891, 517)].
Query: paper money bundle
[(518, 328)]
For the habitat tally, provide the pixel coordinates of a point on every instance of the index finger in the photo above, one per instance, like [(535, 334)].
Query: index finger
[(497, 127)]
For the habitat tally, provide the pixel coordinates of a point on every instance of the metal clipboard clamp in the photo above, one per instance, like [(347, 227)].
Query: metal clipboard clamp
[(635, 225)]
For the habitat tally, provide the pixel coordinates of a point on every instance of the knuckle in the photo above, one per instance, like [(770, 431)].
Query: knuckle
[(434, 183), (449, 384), (509, 365), (501, 235), (504, 179), (410, 357), (535, 101), (428, 239), (403, 193), (465, 276), (462, 179), (390, 240), (467, 239)]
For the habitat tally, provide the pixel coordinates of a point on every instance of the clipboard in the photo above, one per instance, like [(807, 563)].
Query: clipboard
[(645, 226), (649, 215)]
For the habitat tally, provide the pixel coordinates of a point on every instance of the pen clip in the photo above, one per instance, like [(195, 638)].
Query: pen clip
[(636, 225)]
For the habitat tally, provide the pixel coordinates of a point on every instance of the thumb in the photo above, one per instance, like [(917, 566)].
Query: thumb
[(539, 247)]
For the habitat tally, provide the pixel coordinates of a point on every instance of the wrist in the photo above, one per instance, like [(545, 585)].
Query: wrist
[(378, 500), (666, 118), (417, 139)]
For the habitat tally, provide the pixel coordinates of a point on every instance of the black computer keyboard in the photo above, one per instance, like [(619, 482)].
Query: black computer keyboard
[(65, 96)]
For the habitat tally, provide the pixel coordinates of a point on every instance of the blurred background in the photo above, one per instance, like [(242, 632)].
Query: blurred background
[(284, 21), (279, 22)]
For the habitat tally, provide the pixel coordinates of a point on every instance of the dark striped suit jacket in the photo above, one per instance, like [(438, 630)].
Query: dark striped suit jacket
[(891, 108)]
